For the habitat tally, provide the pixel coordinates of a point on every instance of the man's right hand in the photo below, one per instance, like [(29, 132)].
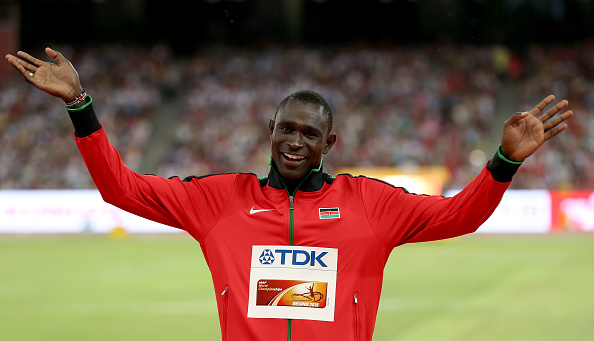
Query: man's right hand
[(58, 79)]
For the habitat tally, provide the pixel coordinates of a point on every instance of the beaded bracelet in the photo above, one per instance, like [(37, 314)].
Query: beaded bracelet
[(77, 99)]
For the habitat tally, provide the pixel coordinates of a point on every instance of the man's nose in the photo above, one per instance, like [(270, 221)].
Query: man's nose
[(295, 140)]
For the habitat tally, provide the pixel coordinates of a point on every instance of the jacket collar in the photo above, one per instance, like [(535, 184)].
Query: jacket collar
[(313, 181)]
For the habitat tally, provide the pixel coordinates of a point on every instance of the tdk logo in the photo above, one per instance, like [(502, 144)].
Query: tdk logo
[(295, 257), (266, 257)]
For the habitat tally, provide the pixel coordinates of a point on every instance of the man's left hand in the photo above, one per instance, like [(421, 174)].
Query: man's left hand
[(525, 132)]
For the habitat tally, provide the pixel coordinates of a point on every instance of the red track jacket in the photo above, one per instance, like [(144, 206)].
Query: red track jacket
[(228, 214)]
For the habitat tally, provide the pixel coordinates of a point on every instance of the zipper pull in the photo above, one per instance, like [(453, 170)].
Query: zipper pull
[(224, 291), (291, 202), (356, 300)]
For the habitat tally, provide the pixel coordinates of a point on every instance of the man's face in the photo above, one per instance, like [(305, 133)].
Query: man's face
[(299, 137)]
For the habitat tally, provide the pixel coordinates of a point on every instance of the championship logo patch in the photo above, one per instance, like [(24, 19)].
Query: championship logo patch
[(291, 293), (329, 213)]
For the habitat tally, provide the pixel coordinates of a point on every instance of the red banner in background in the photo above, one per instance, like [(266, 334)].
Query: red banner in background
[(10, 14), (8, 44), (572, 211)]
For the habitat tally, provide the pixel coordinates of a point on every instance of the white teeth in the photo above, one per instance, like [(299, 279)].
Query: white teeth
[(294, 157)]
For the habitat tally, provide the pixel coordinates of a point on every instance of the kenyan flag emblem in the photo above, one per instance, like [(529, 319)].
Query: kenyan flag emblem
[(329, 213)]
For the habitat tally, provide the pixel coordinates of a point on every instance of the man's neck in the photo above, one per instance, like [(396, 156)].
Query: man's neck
[(312, 181)]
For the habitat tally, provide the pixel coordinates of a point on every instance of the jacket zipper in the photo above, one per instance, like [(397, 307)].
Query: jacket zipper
[(356, 315), (291, 225), (292, 242), (225, 294), (291, 228)]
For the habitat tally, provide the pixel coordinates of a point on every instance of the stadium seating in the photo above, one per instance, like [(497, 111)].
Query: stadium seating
[(394, 106)]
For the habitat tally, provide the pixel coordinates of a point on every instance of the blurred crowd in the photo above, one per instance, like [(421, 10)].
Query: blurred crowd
[(568, 72), (414, 106)]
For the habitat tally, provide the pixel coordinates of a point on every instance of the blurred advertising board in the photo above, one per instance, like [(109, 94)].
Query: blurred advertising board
[(77, 211), (420, 180), (520, 211), (572, 211), (67, 211)]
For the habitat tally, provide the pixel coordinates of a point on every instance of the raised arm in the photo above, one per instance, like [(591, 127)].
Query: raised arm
[(58, 79), (398, 217), (193, 205), (525, 132)]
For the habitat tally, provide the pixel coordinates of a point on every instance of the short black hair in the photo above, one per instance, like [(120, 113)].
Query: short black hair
[(309, 96)]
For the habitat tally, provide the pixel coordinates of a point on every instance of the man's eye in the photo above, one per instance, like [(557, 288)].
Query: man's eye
[(284, 129)]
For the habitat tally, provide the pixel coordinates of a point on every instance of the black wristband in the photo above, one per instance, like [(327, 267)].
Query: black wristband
[(502, 170), (84, 119)]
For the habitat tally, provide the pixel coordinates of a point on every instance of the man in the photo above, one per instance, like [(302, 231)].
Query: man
[(299, 254)]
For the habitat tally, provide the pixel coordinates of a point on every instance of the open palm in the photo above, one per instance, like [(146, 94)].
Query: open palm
[(524, 133), (58, 79)]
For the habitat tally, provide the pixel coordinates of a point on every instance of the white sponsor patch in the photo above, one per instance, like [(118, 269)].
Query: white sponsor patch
[(293, 282)]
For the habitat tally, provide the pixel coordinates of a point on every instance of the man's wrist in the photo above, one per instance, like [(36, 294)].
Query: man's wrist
[(502, 157), (77, 101), (502, 169), (80, 105), (84, 119)]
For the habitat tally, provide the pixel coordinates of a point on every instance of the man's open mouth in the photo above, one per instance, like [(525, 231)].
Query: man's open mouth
[(293, 157)]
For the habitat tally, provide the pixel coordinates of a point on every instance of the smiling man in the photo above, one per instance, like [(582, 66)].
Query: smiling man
[(299, 254), (300, 134)]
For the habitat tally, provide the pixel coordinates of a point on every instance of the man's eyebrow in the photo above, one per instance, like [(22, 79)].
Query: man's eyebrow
[(307, 126)]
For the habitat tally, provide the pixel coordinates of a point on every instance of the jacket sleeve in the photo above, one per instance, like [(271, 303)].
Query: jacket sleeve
[(194, 206), (398, 217)]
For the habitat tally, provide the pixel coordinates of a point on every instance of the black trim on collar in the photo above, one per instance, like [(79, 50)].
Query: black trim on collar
[(192, 177), (314, 181), (378, 180)]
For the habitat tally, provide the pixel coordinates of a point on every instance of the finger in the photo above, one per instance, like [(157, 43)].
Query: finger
[(14, 61), (556, 128), (517, 117), (18, 61), (540, 106), (553, 132), (11, 59), (29, 76), (29, 58), (52, 53), (554, 122), (553, 110), (55, 55)]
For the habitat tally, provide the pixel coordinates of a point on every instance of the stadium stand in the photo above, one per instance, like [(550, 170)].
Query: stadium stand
[(420, 105)]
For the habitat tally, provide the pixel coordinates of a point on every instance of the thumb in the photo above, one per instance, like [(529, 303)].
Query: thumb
[(517, 117), (57, 56)]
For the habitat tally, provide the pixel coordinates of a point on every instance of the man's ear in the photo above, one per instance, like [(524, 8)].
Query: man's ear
[(270, 127), (330, 141)]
